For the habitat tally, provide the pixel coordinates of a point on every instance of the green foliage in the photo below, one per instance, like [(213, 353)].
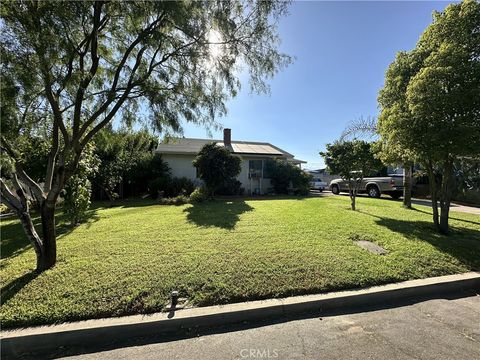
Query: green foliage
[(158, 185), (230, 187), (148, 168), (76, 203), (223, 252), (71, 68), (170, 187), (215, 166), (78, 189), (430, 104), (344, 158), (147, 51), (285, 176), (119, 151), (301, 182), (177, 200), (198, 195), (182, 186), (352, 160)]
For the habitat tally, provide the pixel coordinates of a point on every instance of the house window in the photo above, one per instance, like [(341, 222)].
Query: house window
[(255, 169)]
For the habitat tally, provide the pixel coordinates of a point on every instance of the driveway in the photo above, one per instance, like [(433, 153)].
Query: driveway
[(423, 202), (433, 329)]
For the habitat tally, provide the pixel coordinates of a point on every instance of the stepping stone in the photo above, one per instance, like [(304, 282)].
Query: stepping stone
[(372, 247)]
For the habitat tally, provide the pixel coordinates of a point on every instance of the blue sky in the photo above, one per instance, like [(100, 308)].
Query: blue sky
[(342, 50)]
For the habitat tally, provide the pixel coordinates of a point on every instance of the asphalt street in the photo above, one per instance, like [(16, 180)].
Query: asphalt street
[(434, 329)]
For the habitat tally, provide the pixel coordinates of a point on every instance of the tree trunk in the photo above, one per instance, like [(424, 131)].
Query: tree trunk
[(407, 185), (353, 194), (433, 193), (33, 237), (445, 196), (49, 258)]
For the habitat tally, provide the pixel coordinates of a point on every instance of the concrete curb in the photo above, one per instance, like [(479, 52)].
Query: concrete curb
[(99, 331)]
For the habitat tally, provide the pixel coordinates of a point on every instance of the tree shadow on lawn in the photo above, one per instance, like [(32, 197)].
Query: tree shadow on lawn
[(450, 217), (461, 243), (217, 213), (13, 287), (123, 203), (13, 241)]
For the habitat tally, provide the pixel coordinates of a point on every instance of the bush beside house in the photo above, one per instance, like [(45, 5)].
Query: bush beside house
[(217, 167), (286, 178)]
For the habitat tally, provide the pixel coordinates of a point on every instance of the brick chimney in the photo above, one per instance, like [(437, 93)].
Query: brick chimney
[(227, 137)]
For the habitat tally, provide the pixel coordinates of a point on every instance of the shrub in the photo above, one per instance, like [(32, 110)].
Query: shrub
[(78, 189), (301, 182), (177, 200), (198, 195), (284, 175), (158, 184), (144, 173), (216, 165), (171, 187), (231, 187), (181, 186), (77, 199)]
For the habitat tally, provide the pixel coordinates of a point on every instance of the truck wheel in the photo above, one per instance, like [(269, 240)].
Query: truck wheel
[(335, 189), (373, 191)]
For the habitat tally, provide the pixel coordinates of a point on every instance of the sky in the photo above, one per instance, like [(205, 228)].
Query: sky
[(342, 51)]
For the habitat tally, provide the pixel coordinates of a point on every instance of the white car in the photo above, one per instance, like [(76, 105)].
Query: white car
[(318, 184)]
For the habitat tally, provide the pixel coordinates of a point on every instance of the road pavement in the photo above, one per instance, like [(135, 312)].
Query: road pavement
[(434, 329)]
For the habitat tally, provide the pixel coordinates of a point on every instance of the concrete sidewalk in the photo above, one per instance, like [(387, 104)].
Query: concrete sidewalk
[(434, 329), (453, 206), (423, 202)]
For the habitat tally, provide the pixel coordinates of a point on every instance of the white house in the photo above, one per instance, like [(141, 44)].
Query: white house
[(180, 153)]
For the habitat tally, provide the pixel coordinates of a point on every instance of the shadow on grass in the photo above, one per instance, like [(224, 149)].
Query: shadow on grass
[(461, 243), (14, 242), (450, 217), (123, 203), (13, 287), (217, 213)]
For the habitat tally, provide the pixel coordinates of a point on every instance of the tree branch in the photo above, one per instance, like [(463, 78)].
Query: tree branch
[(140, 37), (8, 198), (93, 68), (36, 189)]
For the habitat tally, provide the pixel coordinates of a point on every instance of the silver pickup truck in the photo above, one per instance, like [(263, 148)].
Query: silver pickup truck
[(373, 186)]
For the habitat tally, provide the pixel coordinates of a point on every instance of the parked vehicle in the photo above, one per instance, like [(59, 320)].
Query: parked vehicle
[(318, 184), (373, 186)]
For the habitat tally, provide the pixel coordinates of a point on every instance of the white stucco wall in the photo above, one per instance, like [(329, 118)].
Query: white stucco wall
[(181, 166)]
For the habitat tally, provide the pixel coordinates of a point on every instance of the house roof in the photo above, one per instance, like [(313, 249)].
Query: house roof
[(193, 146)]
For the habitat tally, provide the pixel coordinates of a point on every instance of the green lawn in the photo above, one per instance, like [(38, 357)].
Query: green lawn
[(128, 258)]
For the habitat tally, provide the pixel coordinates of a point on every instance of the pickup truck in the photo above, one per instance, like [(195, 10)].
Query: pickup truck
[(373, 186), (318, 184)]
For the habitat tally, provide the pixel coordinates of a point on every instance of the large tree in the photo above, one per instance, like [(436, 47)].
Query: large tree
[(71, 68), (352, 160), (434, 113), (393, 102)]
